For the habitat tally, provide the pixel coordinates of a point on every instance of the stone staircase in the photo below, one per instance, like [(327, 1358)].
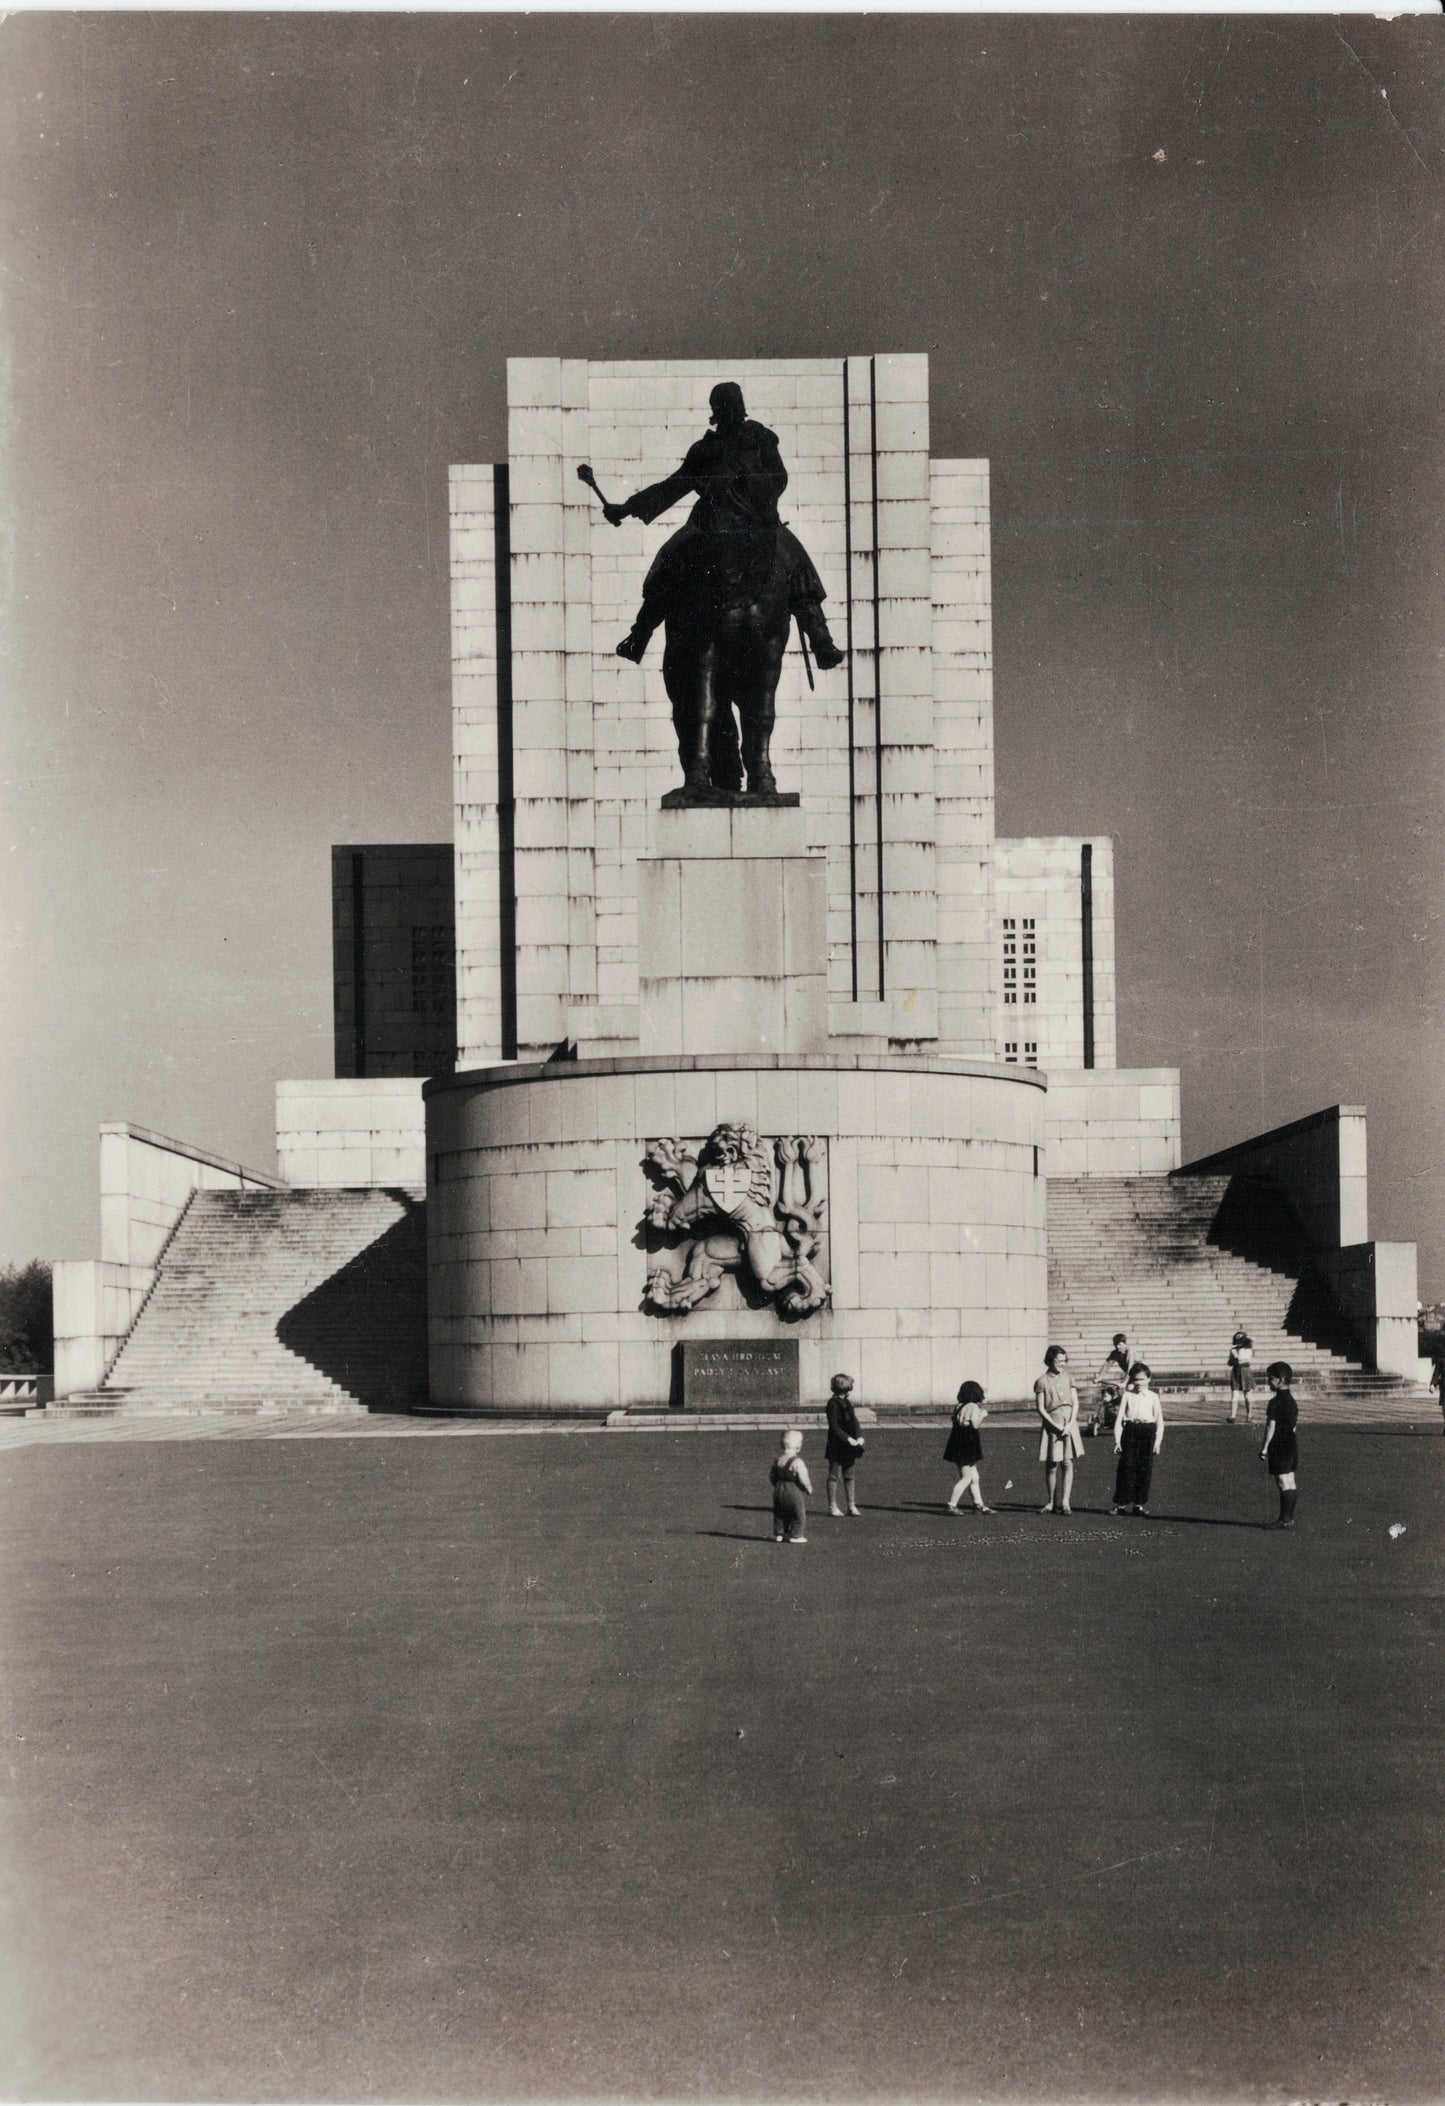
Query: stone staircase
[(269, 1300), (1179, 1263)]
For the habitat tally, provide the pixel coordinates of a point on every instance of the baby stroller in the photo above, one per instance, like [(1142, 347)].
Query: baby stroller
[(1106, 1409)]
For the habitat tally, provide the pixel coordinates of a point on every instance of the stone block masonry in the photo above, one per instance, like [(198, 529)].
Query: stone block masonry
[(563, 751), (536, 1193), (146, 1180)]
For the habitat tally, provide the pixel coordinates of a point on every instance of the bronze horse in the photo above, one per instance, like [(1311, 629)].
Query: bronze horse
[(725, 589), (726, 630)]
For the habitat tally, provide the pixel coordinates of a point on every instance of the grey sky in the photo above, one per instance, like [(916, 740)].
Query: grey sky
[(1179, 278)]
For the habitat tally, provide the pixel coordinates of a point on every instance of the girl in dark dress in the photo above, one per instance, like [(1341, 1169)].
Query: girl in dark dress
[(845, 1445), (965, 1447), (790, 1482), (1281, 1449), (1138, 1437)]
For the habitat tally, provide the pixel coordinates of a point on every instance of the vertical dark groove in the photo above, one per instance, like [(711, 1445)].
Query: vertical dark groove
[(506, 796), (852, 762), (358, 962), (877, 673), (1086, 901)]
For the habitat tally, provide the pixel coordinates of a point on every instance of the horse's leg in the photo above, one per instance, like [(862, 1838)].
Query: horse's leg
[(727, 764), (757, 664), (689, 671)]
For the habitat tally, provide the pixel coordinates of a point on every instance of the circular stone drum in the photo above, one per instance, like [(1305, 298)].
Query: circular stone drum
[(886, 1212)]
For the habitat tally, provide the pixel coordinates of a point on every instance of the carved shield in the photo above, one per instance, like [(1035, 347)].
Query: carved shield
[(727, 1185)]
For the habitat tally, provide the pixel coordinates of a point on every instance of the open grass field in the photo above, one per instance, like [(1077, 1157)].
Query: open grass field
[(528, 1767)]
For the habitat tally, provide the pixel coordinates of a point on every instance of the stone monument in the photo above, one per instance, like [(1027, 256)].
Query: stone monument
[(728, 586), (727, 1073)]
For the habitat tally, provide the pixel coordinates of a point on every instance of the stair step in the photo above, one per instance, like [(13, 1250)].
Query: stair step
[(280, 1300), (1178, 1264)]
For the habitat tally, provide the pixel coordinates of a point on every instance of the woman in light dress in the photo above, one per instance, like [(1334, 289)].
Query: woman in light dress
[(1060, 1444)]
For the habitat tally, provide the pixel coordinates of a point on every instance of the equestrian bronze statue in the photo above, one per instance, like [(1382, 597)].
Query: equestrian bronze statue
[(725, 588)]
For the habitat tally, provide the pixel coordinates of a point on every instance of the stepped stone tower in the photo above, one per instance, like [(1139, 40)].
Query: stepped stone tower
[(749, 1074)]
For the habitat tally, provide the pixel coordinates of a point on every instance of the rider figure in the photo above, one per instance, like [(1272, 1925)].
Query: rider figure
[(738, 476)]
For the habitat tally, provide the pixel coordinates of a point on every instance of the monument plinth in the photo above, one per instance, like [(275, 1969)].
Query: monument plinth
[(732, 934), (734, 800)]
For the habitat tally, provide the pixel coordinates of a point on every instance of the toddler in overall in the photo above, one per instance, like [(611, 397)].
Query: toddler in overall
[(790, 1482)]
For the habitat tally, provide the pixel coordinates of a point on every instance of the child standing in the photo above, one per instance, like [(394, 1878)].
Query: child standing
[(1241, 1360), (1057, 1403), (845, 1445), (790, 1481), (1281, 1449), (965, 1447), (1138, 1437)]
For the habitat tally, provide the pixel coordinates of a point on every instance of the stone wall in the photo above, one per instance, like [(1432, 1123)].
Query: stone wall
[(1038, 886), (1112, 1122), (1376, 1286), (1318, 1163), (963, 782), (537, 1187), (351, 1131), (563, 750), (393, 952), (95, 1305), (146, 1179)]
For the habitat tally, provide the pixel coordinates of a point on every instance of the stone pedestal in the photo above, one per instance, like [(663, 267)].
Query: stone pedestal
[(540, 1183), (732, 934)]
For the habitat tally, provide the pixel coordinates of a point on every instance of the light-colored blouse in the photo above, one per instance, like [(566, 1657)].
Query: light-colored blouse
[(1144, 1409)]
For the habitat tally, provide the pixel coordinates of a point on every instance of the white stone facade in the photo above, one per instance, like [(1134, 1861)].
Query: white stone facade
[(1113, 1122), (626, 972), (1049, 974), (936, 1227), (146, 1179), (574, 749), (353, 1130)]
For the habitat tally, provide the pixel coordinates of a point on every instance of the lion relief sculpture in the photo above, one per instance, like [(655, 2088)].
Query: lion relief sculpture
[(739, 1205)]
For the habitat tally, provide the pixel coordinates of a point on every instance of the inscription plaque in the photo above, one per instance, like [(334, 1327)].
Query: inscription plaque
[(739, 1374)]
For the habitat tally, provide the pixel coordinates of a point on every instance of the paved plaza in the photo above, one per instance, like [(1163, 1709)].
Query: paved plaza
[(528, 1767)]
